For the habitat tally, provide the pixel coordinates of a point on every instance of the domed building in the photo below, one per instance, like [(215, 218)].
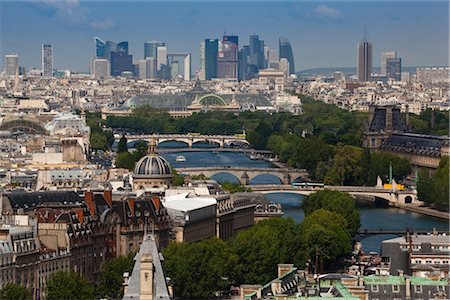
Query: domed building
[(152, 172)]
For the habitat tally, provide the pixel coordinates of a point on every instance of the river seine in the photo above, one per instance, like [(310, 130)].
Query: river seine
[(372, 217)]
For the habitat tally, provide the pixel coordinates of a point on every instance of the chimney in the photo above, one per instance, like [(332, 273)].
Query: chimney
[(146, 278), (408, 287)]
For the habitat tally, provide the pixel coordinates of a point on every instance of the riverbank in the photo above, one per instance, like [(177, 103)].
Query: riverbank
[(425, 211)]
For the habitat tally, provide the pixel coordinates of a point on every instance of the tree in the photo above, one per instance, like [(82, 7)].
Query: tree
[(334, 201), (379, 166), (234, 187), (325, 235), (178, 180), (260, 136), (125, 160), (63, 285), (200, 269), (122, 146), (111, 276), (347, 166), (15, 291), (264, 245), (309, 152), (434, 188)]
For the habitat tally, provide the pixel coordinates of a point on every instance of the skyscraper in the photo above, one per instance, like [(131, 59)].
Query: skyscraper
[(100, 48), (101, 68), (364, 64), (12, 64), (47, 60), (121, 62), (227, 58), (122, 47), (285, 51), (384, 56), (243, 58), (211, 50), (161, 56), (394, 68), (256, 52), (150, 48)]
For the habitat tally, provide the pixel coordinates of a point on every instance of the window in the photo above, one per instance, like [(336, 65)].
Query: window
[(441, 288), (395, 288), (375, 288), (418, 288)]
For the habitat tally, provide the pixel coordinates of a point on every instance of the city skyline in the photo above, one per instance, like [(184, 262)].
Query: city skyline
[(322, 34)]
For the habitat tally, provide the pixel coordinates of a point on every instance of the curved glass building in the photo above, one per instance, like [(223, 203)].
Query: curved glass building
[(286, 52), (100, 48)]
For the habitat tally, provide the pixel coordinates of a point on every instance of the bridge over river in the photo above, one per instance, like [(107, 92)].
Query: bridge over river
[(188, 139), (392, 197), (286, 175)]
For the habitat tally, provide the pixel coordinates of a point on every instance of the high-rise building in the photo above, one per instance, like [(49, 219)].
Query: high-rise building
[(284, 66), (121, 62), (394, 68), (227, 58), (161, 56), (364, 63), (47, 60), (243, 58), (384, 56), (256, 52), (174, 69), (285, 51), (273, 59), (150, 48), (12, 64), (101, 68), (122, 47), (211, 52), (100, 48)]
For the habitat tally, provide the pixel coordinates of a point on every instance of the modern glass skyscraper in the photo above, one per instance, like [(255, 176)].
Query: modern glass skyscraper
[(121, 62), (211, 48), (100, 48), (243, 58), (384, 56), (47, 60), (364, 64), (122, 47), (285, 51), (256, 52), (150, 48), (227, 58), (394, 68)]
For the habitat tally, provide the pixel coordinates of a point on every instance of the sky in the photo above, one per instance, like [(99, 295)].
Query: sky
[(322, 33)]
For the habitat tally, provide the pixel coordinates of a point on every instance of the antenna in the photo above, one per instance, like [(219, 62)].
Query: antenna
[(365, 32)]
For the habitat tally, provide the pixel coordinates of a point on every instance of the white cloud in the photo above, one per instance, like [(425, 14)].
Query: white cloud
[(327, 12), (74, 14)]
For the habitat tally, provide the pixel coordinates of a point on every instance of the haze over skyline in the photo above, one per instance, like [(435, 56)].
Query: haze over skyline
[(322, 34)]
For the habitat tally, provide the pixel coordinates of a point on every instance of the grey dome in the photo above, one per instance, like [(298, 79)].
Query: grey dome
[(152, 166)]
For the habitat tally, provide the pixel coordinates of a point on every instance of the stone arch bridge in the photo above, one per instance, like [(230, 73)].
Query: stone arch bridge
[(189, 139), (392, 197), (244, 175)]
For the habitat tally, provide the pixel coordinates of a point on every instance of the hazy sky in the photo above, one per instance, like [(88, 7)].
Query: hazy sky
[(322, 33)]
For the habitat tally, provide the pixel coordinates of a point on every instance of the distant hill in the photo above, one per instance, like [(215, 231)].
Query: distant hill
[(345, 70)]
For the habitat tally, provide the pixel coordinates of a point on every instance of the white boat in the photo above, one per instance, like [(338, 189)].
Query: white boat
[(180, 158)]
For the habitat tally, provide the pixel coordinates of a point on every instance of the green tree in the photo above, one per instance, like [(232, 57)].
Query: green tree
[(309, 152), (63, 285), (178, 180), (434, 188), (260, 136), (122, 146), (125, 160), (111, 276), (264, 245), (98, 141), (334, 201), (325, 234), (200, 269), (347, 166), (379, 166), (232, 187), (15, 291)]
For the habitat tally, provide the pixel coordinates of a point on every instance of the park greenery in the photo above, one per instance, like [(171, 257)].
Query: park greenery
[(100, 139), (68, 285), (111, 276), (325, 140), (201, 269), (434, 188), (15, 291)]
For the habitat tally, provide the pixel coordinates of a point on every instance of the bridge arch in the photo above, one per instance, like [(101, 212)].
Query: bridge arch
[(161, 142), (212, 99), (266, 178), (207, 141), (24, 125), (225, 177)]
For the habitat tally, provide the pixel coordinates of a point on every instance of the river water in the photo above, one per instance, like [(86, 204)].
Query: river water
[(372, 216)]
